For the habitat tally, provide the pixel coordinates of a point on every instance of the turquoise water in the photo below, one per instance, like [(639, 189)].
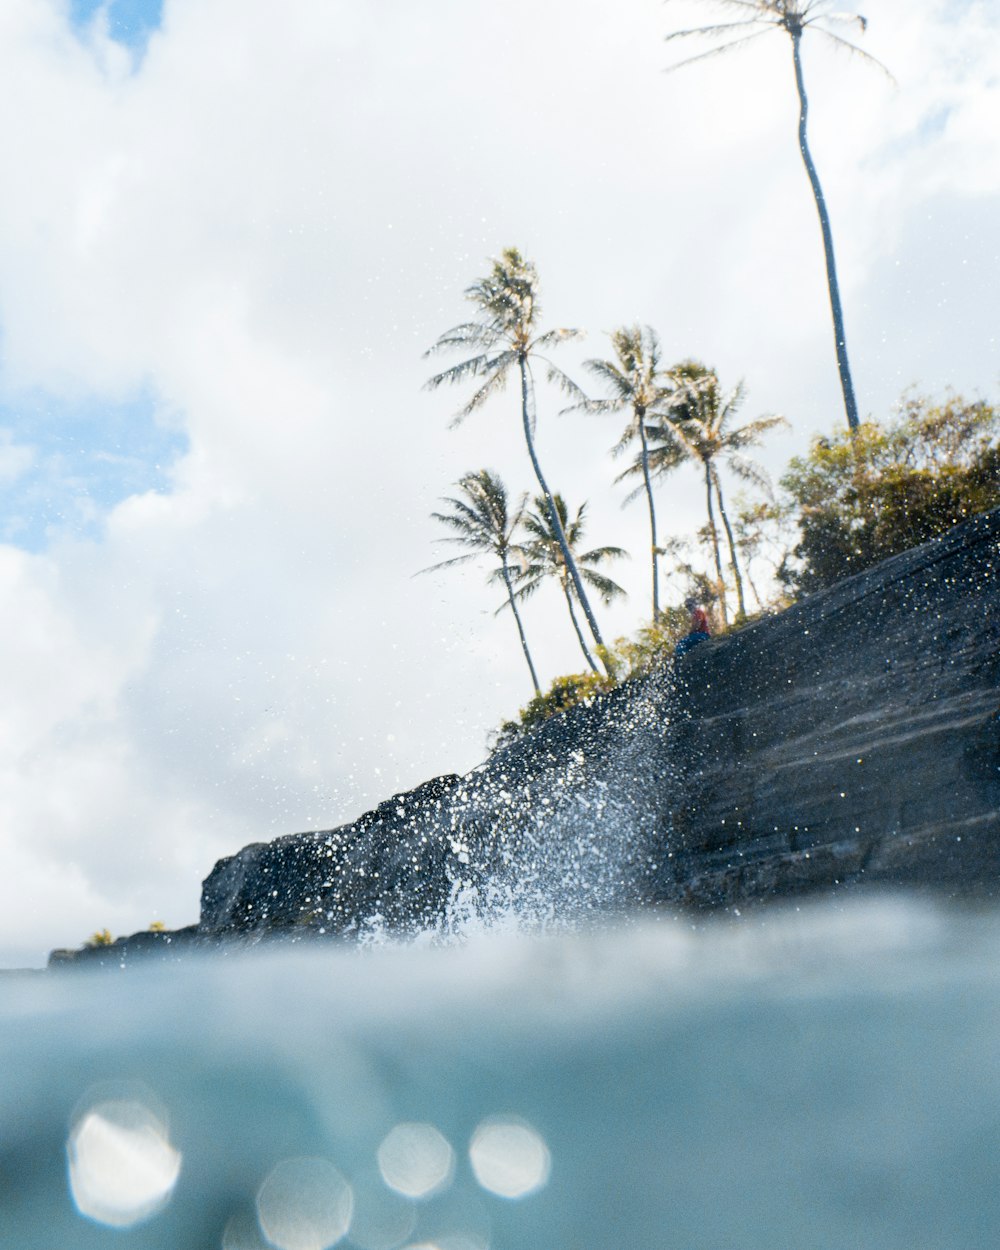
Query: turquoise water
[(827, 1077)]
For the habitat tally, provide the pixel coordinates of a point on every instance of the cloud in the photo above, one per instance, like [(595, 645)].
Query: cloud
[(240, 245)]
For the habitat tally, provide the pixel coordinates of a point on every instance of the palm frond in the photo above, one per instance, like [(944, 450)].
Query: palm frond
[(628, 437), (637, 492), (528, 586), (726, 47), (600, 555), (593, 407), (605, 587), (752, 433), (469, 334), (462, 519), (845, 44), (495, 382), (475, 366), (750, 471), (557, 377), (551, 337), (718, 28), (610, 373), (447, 564), (751, 5)]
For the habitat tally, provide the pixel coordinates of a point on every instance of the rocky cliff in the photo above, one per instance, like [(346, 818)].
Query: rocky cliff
[(852, 740)]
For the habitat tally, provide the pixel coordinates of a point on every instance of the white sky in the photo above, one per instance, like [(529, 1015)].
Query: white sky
[(256, 229)]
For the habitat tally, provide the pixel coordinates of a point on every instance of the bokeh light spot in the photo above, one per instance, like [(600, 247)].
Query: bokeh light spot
[(304, 1204), (509, 1158), (122, 1167), (416, 1160)]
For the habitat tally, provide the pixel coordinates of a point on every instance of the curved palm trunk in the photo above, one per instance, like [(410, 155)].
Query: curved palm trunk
[(553, 514), (713, 530), (579, 631), (741, 602), (652, 513), (520, 627), (846, 382)]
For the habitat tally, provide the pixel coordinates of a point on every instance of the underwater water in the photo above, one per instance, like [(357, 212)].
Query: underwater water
[(822, 1077)]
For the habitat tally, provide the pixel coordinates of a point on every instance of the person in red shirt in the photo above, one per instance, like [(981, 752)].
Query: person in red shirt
[(700, 627)]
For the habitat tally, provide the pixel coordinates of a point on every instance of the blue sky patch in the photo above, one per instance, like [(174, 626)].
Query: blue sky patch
[(130, 22), (64, 466)]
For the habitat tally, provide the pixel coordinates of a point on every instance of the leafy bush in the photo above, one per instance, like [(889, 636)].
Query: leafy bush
[(101, 938), (627, 658), (858, 501)]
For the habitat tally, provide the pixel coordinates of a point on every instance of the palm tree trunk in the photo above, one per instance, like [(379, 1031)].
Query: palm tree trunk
[(741, 602), (579, 631), (652, 514), (753, 588), (846, 382), (520, 627), (713, 530), (553, 514)]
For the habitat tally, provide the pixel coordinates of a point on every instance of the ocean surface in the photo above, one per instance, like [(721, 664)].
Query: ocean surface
[(818, 1077)]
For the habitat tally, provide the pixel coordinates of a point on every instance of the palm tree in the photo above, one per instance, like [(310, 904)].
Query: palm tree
[(482, 523), (635, 384), (699, 428), (503, 337), (545, 559), (751, 19)]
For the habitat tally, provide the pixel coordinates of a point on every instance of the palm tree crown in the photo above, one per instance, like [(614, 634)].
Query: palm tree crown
[(700, 429), (503, 337), (752, 19), (545, 559), (482, 523), (635, 384)]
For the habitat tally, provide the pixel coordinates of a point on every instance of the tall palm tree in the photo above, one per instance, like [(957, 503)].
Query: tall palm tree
[(751, 19), (700, 429), (545, 559), (635, 384), (482, 523), (503, 338)]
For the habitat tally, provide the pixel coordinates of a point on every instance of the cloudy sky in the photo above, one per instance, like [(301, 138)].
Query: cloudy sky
[(228, 232)]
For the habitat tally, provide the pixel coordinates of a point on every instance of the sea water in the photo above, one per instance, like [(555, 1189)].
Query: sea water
[(810, 1078)]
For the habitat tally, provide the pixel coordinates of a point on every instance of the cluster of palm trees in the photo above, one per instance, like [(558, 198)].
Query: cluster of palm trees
[(672, 416)]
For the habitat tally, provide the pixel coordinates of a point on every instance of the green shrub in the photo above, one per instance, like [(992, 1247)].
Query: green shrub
[(858, 501), (627, 658)]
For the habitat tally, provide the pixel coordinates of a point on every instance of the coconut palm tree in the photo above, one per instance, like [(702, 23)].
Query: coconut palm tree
[(700, 429), (504, 339), (545, 559), (482, 522), (635, 384), (751, 19)]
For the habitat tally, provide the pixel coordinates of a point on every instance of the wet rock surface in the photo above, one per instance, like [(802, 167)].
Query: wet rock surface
[(855, 738), (852, 740)]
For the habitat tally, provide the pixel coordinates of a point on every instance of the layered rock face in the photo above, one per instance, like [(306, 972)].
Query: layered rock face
[(854, 739)]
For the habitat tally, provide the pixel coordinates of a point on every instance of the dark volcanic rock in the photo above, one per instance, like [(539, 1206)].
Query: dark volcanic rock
[(562, 820), (387, 867), (853, 739)]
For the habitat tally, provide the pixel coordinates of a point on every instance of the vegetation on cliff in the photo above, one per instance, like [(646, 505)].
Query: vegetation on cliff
[(893, 486), (856, 497)]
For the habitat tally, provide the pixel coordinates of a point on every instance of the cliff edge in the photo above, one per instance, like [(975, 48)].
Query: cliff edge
[(852, 740)]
